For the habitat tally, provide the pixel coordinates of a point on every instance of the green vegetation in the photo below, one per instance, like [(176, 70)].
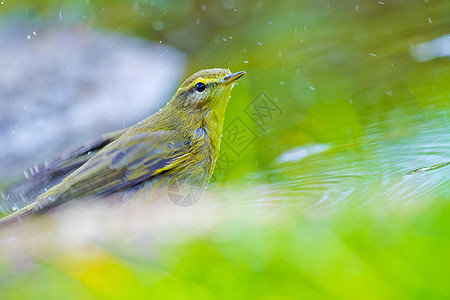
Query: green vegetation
[(320, 201)]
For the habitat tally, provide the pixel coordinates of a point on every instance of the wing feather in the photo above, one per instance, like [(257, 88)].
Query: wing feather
[(124, 163), (47, 174)]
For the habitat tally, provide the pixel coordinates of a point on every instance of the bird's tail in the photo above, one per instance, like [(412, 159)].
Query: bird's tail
[(27, 210), (43, 202)]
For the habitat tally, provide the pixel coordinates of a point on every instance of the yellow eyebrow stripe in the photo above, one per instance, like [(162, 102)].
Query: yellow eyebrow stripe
[(206, 75), (207, 81)]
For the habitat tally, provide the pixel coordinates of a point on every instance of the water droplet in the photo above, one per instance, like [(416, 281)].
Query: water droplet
[(158, 25)]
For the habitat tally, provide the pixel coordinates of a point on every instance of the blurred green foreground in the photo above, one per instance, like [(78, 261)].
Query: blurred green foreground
[(356, 254), (338, 188)]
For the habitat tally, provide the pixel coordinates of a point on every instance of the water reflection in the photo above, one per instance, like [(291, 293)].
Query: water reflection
[(373, 170)]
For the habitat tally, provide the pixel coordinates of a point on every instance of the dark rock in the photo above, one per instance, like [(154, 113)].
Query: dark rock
[(60, 87)]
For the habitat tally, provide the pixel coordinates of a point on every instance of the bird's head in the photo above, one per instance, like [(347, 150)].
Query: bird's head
[(206, 90)]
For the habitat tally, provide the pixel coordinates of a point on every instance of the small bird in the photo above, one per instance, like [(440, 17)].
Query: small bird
[(179, 144)]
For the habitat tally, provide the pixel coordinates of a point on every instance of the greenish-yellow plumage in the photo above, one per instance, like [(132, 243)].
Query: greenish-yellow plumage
[(178, 144)]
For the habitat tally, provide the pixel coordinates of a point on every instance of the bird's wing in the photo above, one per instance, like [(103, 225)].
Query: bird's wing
[(125, 162), (131, 159), (45, 175)]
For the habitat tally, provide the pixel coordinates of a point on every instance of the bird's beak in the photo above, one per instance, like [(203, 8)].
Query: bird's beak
[(231, 78)]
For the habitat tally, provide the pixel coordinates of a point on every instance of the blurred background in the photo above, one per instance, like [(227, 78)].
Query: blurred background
[(333, 178)]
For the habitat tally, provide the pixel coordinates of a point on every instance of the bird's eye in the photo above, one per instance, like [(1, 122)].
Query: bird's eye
[(200, 87)]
